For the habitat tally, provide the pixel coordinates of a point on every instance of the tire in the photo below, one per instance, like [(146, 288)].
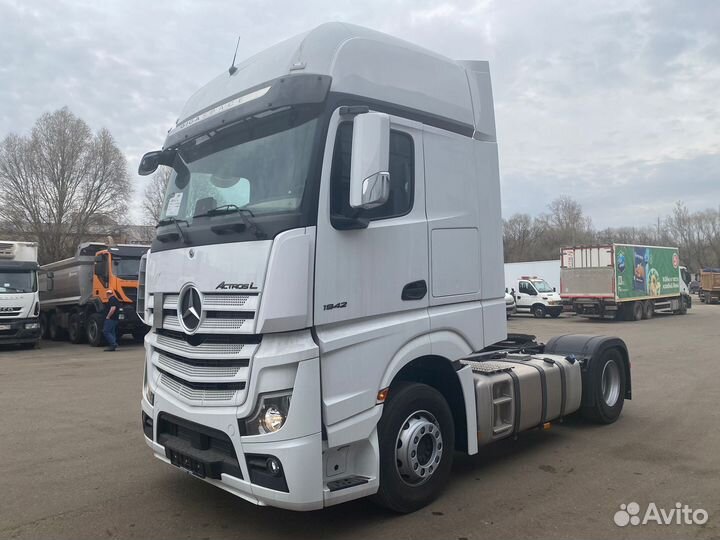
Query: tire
[(44, 330), (555, 314), (648, 308), (539, 311), (54, 331), (76, 333), (417, 439), (93, 330), (636, 311), (607, 384)]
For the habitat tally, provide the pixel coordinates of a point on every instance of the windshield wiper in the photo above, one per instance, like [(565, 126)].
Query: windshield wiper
[(234, 209), (170, 221)]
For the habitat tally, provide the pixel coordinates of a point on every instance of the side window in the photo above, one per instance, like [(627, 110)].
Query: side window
[(402, 176), (524, 288)]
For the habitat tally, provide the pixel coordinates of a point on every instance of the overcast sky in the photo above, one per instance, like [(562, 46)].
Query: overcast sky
[(615, 103)]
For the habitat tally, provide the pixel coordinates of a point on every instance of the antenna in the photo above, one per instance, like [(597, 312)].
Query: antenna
[(233, 69)]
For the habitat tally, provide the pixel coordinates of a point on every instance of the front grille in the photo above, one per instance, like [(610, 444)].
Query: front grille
[(200, 392), (203, 368), (210, 367), (6, 313)]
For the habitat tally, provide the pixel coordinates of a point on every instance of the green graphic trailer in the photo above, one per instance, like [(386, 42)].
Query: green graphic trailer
[(624, 282)]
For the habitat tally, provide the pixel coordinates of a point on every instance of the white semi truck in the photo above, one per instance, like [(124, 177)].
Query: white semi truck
[(19, 301), (326, 287)]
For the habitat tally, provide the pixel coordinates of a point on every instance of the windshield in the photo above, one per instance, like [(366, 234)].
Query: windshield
[(542, 286), (261, 165), (125, 267), (17, 281)]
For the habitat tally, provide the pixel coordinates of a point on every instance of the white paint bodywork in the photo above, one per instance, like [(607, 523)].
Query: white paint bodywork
[(15, 306), (336, 361)]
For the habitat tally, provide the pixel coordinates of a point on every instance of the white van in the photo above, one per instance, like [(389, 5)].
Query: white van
[(534, 295)]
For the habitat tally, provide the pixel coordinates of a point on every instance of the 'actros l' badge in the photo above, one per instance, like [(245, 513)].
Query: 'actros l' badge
[(237, 286)]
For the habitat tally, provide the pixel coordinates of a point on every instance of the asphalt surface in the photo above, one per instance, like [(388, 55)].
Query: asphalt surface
[(74, 465)]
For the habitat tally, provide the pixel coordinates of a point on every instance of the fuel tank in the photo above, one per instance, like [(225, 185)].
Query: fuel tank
[(520, 392)]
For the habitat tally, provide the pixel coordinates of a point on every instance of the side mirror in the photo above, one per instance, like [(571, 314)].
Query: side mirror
[(152, 160), (554, 289), (370, 161)]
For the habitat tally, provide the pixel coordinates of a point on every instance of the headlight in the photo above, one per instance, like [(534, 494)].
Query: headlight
[(32, 325), (270, 415)]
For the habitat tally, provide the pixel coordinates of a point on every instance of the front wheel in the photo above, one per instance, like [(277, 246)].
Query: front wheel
[(539, 311), (76, 332), (94, 329), (417, 439)]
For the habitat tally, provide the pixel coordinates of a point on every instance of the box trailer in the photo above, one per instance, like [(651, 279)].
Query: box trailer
[(73, 292), (710, 285), (628, 282)]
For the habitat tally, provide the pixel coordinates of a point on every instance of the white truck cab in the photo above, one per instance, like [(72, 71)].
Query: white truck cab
[(325, 286), (19, 301), (534, 295)]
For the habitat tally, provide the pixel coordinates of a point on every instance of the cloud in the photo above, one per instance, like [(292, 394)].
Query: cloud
[(593, 99)]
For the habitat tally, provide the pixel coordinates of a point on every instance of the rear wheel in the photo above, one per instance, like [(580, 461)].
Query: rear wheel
[(648, 308), (606, 381), (94, 329), (539, 311), (76, 332), (636, 311), (417, 439)]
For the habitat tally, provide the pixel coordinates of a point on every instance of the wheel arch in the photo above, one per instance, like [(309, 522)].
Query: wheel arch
[(589, 349), (441, 374)]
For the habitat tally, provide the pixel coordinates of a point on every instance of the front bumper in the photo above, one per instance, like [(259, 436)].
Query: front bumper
[(14, 331), (208, 444)]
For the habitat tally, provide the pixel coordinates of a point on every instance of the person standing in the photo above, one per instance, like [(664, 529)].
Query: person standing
[(111, 321)]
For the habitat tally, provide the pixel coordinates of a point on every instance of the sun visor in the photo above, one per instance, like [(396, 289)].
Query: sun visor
[(300, 89)]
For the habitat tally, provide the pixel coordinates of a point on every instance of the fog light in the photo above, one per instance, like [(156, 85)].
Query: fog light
[(273, 466), (32, 326), (273, 419)]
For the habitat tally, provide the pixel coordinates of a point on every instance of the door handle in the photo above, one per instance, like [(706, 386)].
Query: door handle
[(415, 290)]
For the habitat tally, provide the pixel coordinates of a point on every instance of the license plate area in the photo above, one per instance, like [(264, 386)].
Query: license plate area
[(5, 327), (186, 463)]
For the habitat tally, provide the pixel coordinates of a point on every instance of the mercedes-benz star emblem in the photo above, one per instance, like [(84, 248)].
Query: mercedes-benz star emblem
[(190, 309)]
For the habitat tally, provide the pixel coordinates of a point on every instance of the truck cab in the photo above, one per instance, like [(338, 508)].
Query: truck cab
[(328, 256), (534, 295), (19, 301)]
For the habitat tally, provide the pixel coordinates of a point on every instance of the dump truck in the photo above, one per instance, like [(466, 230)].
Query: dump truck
[(19, 301), (73, 292), (625, 282), (710, 285), (325, 289)]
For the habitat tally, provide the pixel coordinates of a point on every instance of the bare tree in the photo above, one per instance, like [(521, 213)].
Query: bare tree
[(61, 183), (155, 194)]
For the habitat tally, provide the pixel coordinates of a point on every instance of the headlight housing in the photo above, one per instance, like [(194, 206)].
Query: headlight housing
[(270, 414), (32, 326)]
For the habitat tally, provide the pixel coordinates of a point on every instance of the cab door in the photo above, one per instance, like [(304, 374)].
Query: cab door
[(371, 283), (525, 295)]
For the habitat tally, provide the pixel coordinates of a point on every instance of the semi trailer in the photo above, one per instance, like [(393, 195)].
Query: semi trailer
[(709, 285), (19, 302), (625, 282), (325, 289), (73, 293)]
